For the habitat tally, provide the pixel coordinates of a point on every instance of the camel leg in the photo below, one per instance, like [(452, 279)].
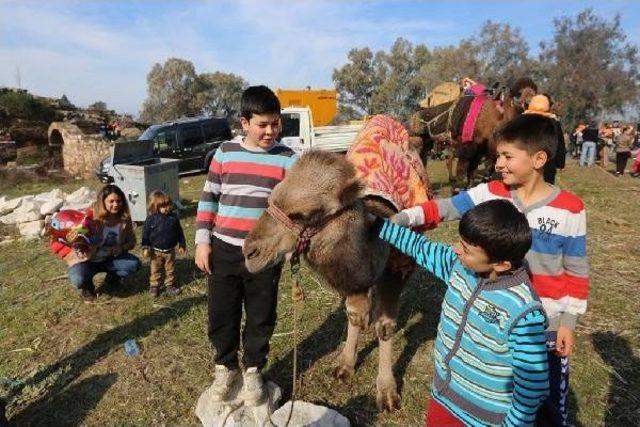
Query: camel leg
[(358, 319), (387, 397), (461, 172), (450, 155), (387, 298)]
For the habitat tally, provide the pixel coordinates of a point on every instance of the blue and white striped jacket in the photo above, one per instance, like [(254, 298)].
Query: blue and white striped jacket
[(490, 354)]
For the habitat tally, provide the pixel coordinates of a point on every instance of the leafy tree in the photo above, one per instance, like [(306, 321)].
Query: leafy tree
[(590, 67), (384, 82), (355, 81), (219, 93), (500, 53), (171, 91)]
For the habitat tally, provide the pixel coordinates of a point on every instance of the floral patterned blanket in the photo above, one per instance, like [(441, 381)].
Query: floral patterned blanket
[(388, 165)]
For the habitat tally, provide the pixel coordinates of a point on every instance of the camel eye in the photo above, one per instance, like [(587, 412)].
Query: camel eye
[(297, 216)]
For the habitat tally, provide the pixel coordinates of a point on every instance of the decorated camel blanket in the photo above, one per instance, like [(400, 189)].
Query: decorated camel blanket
[(477, 91), (384, 161)]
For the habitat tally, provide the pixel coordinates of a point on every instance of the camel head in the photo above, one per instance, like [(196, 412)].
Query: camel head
[(318, 185)]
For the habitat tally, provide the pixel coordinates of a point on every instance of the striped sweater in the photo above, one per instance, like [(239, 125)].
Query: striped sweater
[(490, 350), (557, 261), (237, 189)]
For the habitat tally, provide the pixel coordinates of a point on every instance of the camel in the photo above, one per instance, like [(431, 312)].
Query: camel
[(325, 192), (436, 123)]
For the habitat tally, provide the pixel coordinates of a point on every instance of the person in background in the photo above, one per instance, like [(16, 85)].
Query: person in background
[(624, 141)]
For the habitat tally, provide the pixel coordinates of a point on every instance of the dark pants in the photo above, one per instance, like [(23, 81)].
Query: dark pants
[(621, 161), (555, 410), (231, 287), (81, 274)]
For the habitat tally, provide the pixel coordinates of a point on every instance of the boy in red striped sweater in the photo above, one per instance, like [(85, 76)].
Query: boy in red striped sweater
[(557, 261), (241, 177)]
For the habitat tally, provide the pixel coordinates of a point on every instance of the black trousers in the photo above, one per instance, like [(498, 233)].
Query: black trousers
[(621, 161), (232, 287)]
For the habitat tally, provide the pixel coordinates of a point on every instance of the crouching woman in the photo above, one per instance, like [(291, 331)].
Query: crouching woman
[(115, 238)]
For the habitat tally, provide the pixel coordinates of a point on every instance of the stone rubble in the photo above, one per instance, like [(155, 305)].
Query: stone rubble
[(29, 213)]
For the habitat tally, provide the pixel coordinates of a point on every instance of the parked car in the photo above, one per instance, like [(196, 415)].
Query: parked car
[(192, 141)]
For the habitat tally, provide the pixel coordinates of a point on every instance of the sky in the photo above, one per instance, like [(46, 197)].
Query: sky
[(103, 50)]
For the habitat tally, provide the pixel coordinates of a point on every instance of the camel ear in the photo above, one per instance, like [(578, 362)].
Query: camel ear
[(351, 191)]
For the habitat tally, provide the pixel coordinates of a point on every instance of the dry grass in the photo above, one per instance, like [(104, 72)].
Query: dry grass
[(66, 364)]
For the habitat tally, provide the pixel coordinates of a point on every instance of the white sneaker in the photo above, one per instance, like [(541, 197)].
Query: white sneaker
[(224, 383), (253, 390)]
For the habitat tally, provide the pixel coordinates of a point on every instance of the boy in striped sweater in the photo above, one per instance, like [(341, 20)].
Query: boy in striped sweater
[(241, 177), (557, 261), (490, 352)]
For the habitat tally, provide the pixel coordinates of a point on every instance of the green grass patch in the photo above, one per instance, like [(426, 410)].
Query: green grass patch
[(62, 362)]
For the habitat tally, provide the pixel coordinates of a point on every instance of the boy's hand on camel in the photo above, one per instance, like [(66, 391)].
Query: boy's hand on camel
[(146, 252), (564, 342), (401, 218), (203, 257)]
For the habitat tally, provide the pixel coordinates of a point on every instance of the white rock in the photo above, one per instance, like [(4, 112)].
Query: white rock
[(308, 415), (51, 206), (29, 216), (8, 219), (6, 242), (31, 229), (82, 194), (54, 194), (9, 206), (28, 206), (213, 414)]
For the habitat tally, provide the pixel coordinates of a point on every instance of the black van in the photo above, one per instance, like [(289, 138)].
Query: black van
[(193, 141)]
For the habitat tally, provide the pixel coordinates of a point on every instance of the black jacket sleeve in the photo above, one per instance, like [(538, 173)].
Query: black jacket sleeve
[(146, 230), (181, 241)]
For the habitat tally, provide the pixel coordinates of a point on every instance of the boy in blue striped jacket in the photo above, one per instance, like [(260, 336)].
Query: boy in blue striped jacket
[(490, 353)]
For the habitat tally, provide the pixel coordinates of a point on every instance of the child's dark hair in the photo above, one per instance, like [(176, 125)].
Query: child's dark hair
[(258, 100), (531, 132), (499, 229), (158, 199)]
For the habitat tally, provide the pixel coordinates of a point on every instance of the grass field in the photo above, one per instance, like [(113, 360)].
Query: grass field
[(62, 362)]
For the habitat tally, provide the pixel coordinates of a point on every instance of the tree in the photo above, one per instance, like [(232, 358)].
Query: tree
[(500, 53), (382, 83), (590, 67), (171, 91), (219, 93), (446, 64), (355, 81), (98, 105)]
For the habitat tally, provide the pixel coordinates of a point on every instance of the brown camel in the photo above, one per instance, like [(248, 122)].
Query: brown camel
[(437, 123), (323, 191)]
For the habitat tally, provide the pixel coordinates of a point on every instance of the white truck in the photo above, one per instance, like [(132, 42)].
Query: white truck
[(300, 135)]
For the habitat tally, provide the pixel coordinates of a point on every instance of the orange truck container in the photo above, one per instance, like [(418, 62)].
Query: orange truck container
[(322, 102)]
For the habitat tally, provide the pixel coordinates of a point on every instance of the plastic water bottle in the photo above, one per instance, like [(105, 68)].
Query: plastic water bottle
[(131, 348)]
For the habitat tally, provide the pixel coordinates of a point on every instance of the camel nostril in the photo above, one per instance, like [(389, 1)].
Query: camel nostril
[(252, 253)]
